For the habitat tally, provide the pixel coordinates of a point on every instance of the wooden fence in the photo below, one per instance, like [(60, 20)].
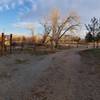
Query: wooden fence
[(8, 45)]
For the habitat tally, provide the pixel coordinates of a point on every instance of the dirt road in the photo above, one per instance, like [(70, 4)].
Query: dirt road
[(67, 78), (59, 76)]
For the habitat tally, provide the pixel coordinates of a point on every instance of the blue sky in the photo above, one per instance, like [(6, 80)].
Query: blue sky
[(17, 15)]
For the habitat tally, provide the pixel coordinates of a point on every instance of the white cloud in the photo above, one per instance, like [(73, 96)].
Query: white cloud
[(25, 25), (23, 11), (21, 2), (6, 6), (39, 8), (28, 25), (34, 7), (1, 8), (13, 5), (32, 1)]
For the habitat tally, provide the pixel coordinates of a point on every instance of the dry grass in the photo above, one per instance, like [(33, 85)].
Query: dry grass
[(91, 55), (21, 61), (91, 59)]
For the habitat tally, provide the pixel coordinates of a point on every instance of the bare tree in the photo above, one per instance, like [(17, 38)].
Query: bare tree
[(58, 26), (77, 40), (93, 28), (47, 30)]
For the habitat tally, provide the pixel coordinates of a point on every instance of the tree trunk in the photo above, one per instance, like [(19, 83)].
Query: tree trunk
[(93, 40), (77, 44), (10, 43), (52, 45), (56, 44), (93, 44), (2, 43), (87, 45), (97, 44)]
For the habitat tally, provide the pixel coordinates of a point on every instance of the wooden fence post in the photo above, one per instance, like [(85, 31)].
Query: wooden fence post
[(2, 43), (10, 43)]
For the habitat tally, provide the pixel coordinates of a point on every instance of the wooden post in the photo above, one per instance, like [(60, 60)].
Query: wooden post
[(2, 43), (10, 43)]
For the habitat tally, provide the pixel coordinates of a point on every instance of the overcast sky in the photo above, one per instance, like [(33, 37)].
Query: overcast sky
[(26, 12)]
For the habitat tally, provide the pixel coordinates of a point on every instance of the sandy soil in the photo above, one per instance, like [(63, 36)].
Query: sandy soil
[(59, 76)]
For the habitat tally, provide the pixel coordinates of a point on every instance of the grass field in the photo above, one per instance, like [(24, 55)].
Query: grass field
[(91, 59)]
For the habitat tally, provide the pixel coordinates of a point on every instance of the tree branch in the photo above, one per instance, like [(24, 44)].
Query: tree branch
[(68, 29)]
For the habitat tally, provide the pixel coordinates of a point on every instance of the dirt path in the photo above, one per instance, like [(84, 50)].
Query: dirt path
[(67, 78), (59, 76), (17, 73), (57, 82)]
